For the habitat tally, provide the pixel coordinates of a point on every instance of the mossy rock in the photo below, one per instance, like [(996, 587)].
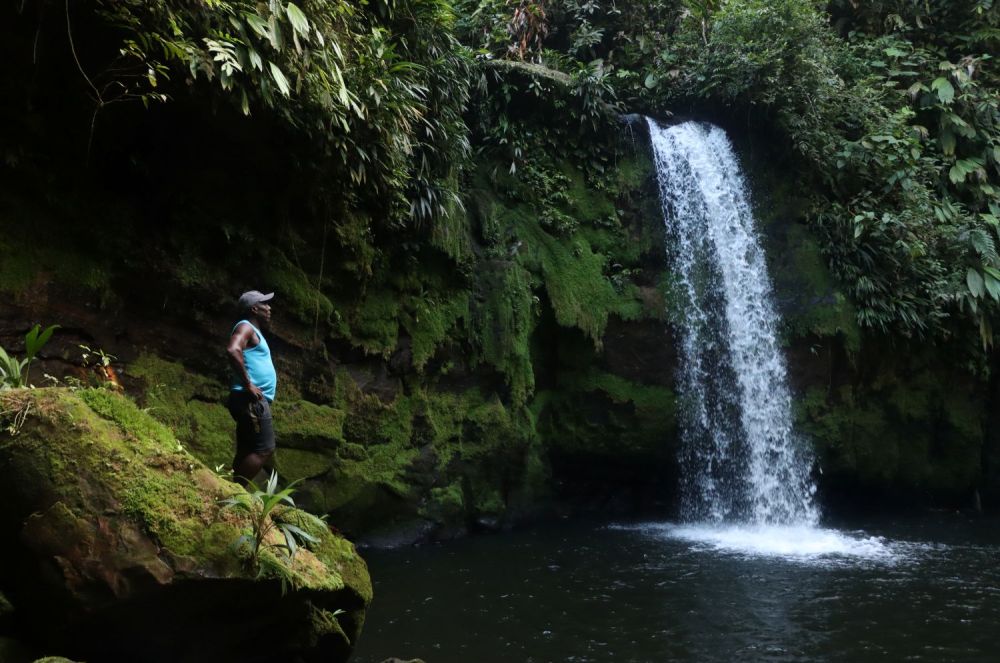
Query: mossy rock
[(600, 414), (904, 436), (300, 424), (296, 465), (131, 546), (190, 405)]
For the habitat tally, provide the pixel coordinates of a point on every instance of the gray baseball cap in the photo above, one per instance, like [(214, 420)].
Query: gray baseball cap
[(252, 298)]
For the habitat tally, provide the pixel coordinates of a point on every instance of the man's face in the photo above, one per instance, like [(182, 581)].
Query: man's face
[(263, 312)]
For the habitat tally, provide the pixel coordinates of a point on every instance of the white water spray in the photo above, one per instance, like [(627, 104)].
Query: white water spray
[(741, 461)]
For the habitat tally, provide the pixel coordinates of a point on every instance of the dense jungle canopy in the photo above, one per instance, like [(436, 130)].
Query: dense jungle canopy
[(887, 111)]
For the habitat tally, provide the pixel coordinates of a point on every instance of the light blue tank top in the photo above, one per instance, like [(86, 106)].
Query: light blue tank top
[(260, 368)]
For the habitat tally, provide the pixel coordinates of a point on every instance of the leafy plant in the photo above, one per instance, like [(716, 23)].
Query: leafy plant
[(14, 371), (378, 89), (265, 525), (101, 363)]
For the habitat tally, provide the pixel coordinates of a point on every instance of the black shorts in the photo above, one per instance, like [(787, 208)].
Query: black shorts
[(254, 430)]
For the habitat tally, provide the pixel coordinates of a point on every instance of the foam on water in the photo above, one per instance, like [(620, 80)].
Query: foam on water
[(793, 542)]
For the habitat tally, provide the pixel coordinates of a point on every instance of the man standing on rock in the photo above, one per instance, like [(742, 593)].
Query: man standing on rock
[(253, 386)]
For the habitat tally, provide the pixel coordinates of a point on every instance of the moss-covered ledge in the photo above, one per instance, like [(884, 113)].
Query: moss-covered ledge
[(121, 545)]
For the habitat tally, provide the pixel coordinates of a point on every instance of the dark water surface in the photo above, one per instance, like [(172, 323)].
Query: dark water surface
[(908, 590)]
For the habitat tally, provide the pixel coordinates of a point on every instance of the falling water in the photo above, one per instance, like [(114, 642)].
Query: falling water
[(741, 461)]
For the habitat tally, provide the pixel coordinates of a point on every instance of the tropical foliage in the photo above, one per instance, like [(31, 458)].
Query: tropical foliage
[(261, 507), (379, 89), (892, 107), (13, 371), (888, 113)]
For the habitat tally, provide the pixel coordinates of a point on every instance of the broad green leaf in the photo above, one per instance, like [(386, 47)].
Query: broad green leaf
[(992, 271), (992, 286), (257, 24), (956, 174), (298, 20), (945, 91), (280, 80), (975, 282), (299, 532), (255, 60), (35, 339), (947, 142), (274, 34), (650, 81), (290, 542)]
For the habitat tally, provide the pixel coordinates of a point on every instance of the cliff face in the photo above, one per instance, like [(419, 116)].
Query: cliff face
[(513, 357), (533, 375), (893, 421), (117, 547)]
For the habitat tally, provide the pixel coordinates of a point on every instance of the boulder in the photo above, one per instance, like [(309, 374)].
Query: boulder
[(119, 548)]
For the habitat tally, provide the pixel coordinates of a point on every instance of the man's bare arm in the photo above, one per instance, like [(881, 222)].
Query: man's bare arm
[(238, 342)]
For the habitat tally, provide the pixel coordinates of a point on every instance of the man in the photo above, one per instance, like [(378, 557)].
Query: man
[(253, 386)]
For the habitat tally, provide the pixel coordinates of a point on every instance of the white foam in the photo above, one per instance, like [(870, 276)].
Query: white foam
[(793, 542)]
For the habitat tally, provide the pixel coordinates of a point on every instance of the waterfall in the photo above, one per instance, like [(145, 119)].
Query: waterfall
[(740, 458)]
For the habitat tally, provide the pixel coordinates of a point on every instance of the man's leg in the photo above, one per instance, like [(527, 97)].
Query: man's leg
[(246, 467), (254, 437)]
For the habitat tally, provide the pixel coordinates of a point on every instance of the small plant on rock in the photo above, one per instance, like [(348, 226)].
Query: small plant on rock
[(14, 371), (260, 506)]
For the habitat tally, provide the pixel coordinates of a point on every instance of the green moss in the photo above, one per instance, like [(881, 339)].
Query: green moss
[(96, 447), (432, 322), (295, 464), (23, 260), (840, 427), (573, 274), (131, 454), (415, 454), (130, 419), (303, 424), (488, 501), (296, 291), (502, 322), (586, 204), (335, 552), (375, 322), (898, 434), (450, 234), (823, 310), (445, 504), (190, 405), (597, 413)]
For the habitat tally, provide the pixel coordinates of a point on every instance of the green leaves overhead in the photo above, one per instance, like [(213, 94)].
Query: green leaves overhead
[(893, 112), (975, 282), (379, 99), (944, 89), (279, 79), (298, 20)]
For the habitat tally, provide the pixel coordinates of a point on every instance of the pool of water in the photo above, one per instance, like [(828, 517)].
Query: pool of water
[(923, 589)]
